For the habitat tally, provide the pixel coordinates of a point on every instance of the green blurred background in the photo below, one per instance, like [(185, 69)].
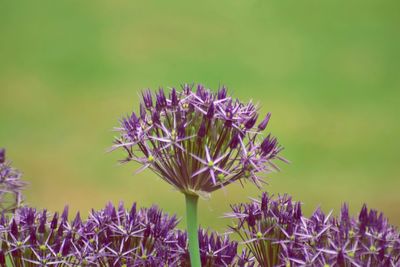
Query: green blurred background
[(327, 70)]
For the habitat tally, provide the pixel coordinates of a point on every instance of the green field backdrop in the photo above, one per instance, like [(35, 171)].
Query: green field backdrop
[(327, 70)]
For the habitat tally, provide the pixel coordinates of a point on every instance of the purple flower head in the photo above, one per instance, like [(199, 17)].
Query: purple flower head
[(264, 224), (276, 233), (198, 141), (113, 236), (11, 185), (109, 237)]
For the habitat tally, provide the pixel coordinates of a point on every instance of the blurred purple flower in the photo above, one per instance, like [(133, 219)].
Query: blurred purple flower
[(11, 185)]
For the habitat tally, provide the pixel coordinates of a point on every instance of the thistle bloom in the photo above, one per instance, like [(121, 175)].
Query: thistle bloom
[(276, 234), (11, 185), (198, 141)]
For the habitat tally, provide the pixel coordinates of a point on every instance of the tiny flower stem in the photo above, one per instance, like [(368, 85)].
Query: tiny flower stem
[(192, 228)]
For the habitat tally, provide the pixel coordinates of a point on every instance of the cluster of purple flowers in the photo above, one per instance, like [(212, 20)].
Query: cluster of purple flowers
[(198, 141), (276, 233), (11, 185), (113, 236)]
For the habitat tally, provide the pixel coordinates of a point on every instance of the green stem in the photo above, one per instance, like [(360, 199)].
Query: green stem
[(192, 229)]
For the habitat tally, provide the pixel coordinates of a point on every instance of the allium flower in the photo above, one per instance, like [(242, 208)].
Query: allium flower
[(11, 185), (198, 141), (113, 236), (263, 224), (276, 234), (110, 237)]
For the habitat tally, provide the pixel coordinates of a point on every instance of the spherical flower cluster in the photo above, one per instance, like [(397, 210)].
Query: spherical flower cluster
[(276, 234), (11, 185), (198, 141), (113, 236)]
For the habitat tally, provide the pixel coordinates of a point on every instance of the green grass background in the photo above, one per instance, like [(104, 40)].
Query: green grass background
[(327, 70)]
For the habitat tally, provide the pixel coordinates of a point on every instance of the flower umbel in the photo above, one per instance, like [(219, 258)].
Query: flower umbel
[(198, 141), (276, 234), (113, 236)]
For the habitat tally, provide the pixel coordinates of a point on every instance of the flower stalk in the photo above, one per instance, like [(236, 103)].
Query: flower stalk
[(192, 226)]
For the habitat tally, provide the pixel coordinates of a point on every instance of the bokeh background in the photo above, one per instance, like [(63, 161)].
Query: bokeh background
[(327, 70)]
